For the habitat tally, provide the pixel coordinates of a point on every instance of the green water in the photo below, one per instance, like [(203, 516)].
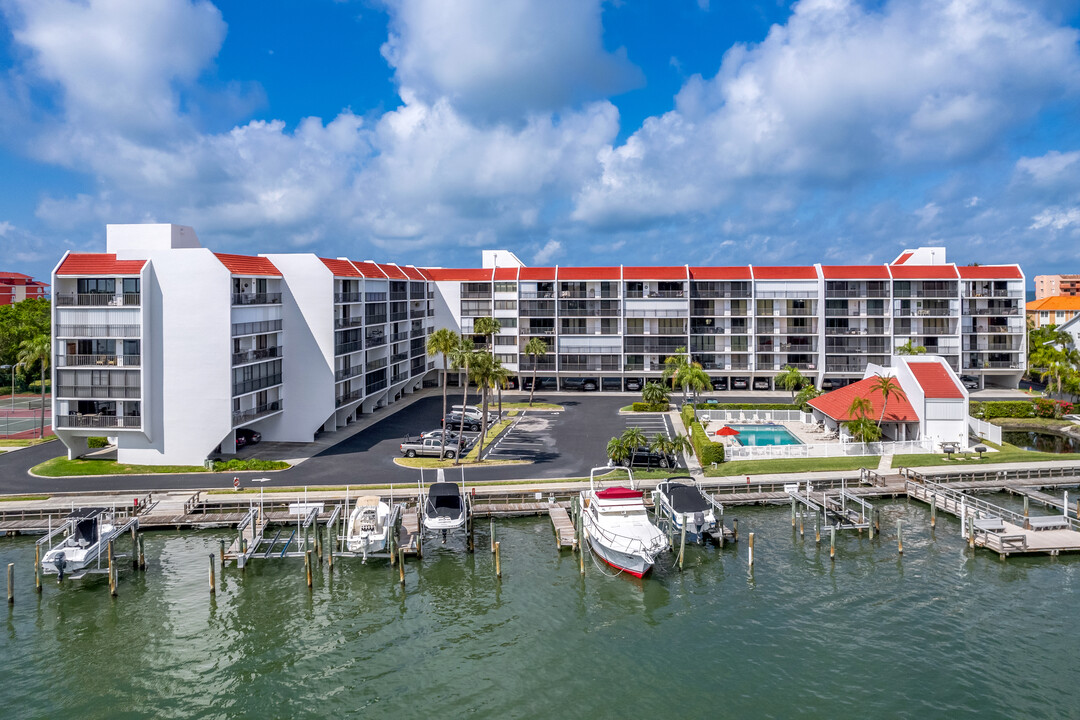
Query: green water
[(937, 633)]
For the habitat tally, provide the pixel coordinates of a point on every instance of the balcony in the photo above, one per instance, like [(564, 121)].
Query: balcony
[(344, 323), (992, 311), (375, 386), (256, 298), (399, 336), (246, 416), (925, 312), (845, 367), (249, 356), (655, 294), (417, 313), (348, 397), (97, 299), (527, 365), (856, 293), (348, 297), (537, 331), (612, 366), (400, 377), (98, 360), (994, 365), (98, 392), (788, 294), (395, 316), (541, 295), (248, 386), (349, 347), (256, 328), (993, 293), (375, 297), (398, 295), (374, 319), (399, 357), (376, 364), (129, 422), (97, 331), (346, 373), (374, 341)]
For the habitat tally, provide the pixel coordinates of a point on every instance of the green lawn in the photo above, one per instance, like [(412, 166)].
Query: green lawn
[(534, 406), (1031, 423), (61, 466), (790, 465), (17, 498), (430, 462), (5, 442), (1006, 454)]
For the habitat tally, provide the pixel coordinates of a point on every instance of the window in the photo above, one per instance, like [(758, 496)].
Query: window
[(506, 340), (508, 322), (476, 308), (507, 287), (96, 285), (131, 286), (506, 304), (506, 358)]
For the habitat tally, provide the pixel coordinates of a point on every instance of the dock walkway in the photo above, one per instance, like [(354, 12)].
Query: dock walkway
[(565, 533)]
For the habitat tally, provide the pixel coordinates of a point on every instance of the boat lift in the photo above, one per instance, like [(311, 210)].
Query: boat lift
[(98, 552), (289, 540), (340, 536), (841, 510)]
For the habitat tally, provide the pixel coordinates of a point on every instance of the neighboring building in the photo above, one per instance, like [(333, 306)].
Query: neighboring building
[(1072, 328), (16, 287), (1051, 285), (934, 405), (172, 348), (1055, 310)]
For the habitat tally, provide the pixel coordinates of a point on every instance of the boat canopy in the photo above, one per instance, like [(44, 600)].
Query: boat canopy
[(619, 493), (685, 498), (444, 500)]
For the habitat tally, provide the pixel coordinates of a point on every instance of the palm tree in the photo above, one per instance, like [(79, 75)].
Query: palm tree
[(617, 450), (804, 397), (536, 347), (37, 349), (791, 379), (696, 379), (860, 407), (443, 342), (887, 387), (460, 357), (501, 376), (489, 327), (910, 348), (864, 430), (634, 438), (482, 372), (654, 393), (673, 364), (680, 444)]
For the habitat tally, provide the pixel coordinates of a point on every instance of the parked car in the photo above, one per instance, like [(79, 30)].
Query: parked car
[(589, 385), (542, 383), (633, 385), (762, 384), (427, 447), (718, 383), (451, 436), (970, 383), (740, 383), (573, 384), (643, 457), (473, 411), (247, 436), (453, 420)]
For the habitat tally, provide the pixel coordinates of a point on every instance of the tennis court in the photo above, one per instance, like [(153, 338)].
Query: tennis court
[(22, 415)]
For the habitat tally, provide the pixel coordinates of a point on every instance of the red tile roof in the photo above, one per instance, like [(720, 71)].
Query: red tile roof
[(461, 274), (537, 273), (855, 272), (990, 272), (369, 269), (835, 404), (506, 273), (740, 272), (781, 272), (98, 264), (411, 272), (13, 276), (341, 268), (247, 264), (393, 271), (924, 272), (904, 257), (660, 272), (1055, 302), (589, 273), (935, 380)]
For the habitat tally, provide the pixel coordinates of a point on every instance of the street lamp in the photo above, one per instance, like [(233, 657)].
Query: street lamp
[(261, 481)]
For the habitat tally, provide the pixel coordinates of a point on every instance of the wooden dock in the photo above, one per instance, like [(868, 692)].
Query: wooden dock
[(409, 532), (1040, 497), (565, 534)]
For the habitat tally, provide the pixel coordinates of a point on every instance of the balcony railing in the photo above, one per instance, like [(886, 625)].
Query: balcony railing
[(417, 313), (376, 364), (96, 299), (924, 312), (398, 337), (256, 328), (476, 295), (399, 357), (374, 319), (375, 340), (919, 293), (994, 365), (400, 377), (346, 373), (994, 294), (856, 293), (597, 366), (655, 294), (352, 322), (348, 297), (248, 356), (788, 294), (537, 331), (244, 416), (130, 422), (98, 392), (527, 365), (98, 360), (399, 295), (375, 386), (247, 386), (97, 331), (256, 298), (542, 295), (348, 397), (845, 367), (349, 347), (395, 316), (992, 311)]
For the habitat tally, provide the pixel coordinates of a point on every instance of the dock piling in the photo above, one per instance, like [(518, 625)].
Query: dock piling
[(221, 554), (112, 571), (142, 554), (682, 543), (213, 581), (900, 536), (792, 512), (817, 527), (802, 524), (933, 511), (750, 557), (11, 583), (401, 566), (832, 543), (331, 533), (498, 564), (134, 548), (307, 566), (492, 534), (37, 567), (735, 529)]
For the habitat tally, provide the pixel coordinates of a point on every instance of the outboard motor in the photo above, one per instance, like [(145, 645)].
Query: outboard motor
[(60, 562), (699, 521)]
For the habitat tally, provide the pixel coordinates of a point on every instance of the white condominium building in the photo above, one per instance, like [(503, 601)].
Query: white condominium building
[(170, 348)]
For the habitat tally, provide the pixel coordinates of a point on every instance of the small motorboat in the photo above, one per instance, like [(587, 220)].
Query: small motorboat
[(445, 507), (617, 527), (87, 532), (370, 524), (679, 501)]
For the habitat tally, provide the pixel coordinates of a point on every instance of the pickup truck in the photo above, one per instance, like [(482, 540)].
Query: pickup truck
[(428, 447)]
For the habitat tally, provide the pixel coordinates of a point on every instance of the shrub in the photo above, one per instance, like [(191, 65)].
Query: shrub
[(687, 413), (708, 452), (1003, 409), (647, 407), (96, 442), (746, 406), (249, 464), (1044, 408)]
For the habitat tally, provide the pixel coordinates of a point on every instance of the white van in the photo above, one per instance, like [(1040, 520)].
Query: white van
[(474, 412)]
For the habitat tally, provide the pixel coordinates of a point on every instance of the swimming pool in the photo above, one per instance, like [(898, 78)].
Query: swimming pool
[(765, 435)]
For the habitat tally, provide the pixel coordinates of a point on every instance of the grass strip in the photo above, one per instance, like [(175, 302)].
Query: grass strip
[(61, 467), (16, 498), (27, 442), (790, 465)]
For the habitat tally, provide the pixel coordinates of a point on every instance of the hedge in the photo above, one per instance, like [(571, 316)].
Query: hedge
[(1041, 407), (649, 407), (708, 452), (96, 442), (746, 406)]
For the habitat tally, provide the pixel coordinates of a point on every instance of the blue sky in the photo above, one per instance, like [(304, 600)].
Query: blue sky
[(569, 131)]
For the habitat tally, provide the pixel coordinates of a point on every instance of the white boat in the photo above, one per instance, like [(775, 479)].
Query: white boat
[(370, 524), (681, 502), (84, 547), (617, 526), (444, 506)]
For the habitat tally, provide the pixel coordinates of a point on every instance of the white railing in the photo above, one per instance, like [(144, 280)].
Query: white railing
[(755, 416), (825, 450), (984, 430)]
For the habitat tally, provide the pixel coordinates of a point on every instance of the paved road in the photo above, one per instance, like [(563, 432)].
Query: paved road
[(559, 444)]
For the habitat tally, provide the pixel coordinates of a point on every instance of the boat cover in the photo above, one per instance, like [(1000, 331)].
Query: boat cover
[(443, 500), (685, 498), (619, 493)]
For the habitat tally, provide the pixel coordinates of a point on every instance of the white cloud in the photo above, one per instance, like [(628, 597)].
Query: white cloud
[(545, 255), (1051, 167), (1056, 219), (503, 58)]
